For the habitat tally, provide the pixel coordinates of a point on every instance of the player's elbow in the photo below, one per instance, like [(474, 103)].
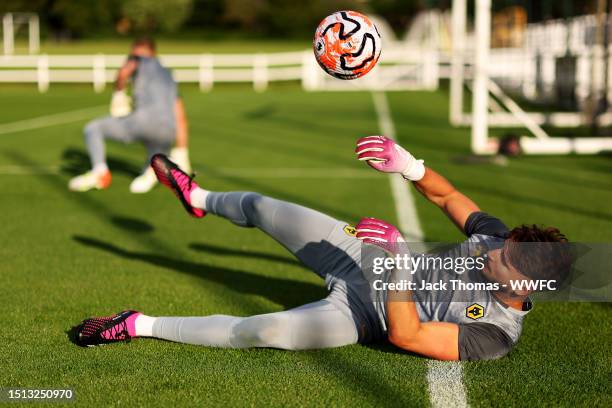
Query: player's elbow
[(401, 338)]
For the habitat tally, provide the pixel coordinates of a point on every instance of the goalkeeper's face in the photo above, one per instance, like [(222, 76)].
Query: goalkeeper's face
[(499, 269)]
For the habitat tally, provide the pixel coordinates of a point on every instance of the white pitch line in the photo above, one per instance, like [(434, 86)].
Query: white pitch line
[(27, 170), (51, 120), (445, 379), (407, 216)]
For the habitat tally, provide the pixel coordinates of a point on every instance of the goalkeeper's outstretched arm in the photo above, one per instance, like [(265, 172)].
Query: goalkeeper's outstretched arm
[(383, 154), (437, 189)]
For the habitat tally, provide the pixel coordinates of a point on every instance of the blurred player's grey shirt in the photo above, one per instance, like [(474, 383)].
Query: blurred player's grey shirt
[(154, 90)]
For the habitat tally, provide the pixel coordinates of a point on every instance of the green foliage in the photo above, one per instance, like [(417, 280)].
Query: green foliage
[(155, 15), (398, 13), (80, 17), (7, 6), (206, 14), (272, 18), (282, 17)]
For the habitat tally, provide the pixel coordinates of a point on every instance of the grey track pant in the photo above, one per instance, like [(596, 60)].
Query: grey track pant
[(139, 126), (320, 242)]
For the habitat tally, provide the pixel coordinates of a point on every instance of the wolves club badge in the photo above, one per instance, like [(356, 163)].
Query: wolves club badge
[(350, 230), (475, 311), (479, 249)]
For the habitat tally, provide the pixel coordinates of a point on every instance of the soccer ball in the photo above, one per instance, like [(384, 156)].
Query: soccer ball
[(347, 44)]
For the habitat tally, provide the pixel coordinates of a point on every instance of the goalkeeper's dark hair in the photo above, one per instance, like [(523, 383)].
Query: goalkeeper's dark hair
[(540, 252), (144, 42)]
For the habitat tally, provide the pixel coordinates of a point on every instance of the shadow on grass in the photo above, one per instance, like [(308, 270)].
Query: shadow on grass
[(386, 347), (219, 250), (131, 224), (536, 201), (261, 112), (94, 206), (76, 161), (531, 172), (72, 334), (285, 292), (364, 379)]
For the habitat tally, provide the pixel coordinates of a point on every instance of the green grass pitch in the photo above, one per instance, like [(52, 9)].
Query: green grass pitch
[(66, 256)]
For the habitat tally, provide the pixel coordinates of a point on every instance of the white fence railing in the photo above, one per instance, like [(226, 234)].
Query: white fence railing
[(558, 58), (399, 68)]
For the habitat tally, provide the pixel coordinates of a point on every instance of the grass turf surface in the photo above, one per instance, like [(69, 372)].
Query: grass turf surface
[(67, 256)]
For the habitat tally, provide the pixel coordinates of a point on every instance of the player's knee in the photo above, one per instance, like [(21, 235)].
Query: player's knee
[(273, 330), (251, 206), (92, 128)]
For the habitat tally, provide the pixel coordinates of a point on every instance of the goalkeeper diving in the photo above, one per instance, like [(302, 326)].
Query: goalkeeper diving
[(158, 120), (439, 325)]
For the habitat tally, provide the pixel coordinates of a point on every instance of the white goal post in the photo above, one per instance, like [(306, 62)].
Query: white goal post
[(11, 23), (475, 64)]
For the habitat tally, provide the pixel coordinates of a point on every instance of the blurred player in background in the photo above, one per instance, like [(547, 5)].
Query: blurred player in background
[(158, 120)]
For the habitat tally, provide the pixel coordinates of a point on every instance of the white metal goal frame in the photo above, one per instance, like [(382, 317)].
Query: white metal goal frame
[(506, 112), (11, 23)]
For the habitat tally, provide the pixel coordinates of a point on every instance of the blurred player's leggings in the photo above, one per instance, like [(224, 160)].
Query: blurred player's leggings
[(140, 126), (309, 235)]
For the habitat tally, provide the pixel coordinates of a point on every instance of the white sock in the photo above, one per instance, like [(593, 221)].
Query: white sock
[(100, 168), (143, 325), (180, 155), (198, 198)]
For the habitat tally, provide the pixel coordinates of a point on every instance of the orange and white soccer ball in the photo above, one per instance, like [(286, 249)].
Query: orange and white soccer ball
[(347, 44)]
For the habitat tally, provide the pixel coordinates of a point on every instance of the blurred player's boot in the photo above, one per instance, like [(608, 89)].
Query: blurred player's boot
[(90, 180), (170, 175), (102, 330), (180, 155), (144, 183)]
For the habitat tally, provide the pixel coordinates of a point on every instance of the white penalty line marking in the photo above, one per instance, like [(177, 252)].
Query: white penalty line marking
[(444, 378), (28, 170), (407, 216), (51, 120)]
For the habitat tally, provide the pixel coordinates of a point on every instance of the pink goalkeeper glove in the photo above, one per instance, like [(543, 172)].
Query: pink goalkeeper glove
[(383, 154), (378, 232)]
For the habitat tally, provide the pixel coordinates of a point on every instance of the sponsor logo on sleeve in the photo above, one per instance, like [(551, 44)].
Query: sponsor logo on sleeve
[(350, 230)]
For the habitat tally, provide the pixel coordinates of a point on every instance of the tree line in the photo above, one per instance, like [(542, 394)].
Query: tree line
[(265, 18)]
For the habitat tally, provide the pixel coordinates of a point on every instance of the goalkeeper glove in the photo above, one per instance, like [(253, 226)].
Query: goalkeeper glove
[(380, 233), (120, 104), (383, 154)]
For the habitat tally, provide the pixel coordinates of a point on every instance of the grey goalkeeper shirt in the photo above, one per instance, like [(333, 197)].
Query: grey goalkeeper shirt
[(488, 329)]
